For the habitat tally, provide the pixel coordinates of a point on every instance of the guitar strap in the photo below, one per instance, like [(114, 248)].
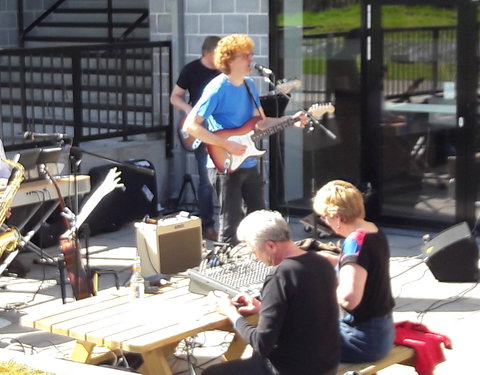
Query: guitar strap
[(251, 96)]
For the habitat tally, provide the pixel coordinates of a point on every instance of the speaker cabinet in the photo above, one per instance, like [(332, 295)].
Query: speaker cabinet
[(452, 255), (170, 245)]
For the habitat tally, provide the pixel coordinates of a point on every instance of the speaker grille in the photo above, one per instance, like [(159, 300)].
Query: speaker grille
[(169, 246)]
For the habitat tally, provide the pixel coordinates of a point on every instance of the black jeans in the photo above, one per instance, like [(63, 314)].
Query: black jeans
[(239, 193), (251, 366)]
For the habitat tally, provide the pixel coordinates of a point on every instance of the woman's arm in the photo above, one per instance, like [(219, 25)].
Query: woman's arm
[(351, 285)]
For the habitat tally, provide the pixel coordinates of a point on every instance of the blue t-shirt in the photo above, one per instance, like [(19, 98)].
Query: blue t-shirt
[(226, 106)]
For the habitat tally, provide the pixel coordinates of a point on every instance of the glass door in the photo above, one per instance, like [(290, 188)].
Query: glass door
[(310, 45), (424, 120)]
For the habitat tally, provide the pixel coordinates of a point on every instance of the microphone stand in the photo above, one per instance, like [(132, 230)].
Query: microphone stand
[(314, 121), (312, 118), (77, 153)]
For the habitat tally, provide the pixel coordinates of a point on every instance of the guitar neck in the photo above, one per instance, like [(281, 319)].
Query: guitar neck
[(259, 134)]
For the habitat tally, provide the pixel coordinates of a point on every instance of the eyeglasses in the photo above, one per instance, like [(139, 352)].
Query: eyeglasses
[(324, 217), (245, 55)]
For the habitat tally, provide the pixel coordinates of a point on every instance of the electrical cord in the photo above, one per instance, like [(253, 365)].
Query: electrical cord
[(401, 289), (188, 346), (17, 341), (443, 302), (408, 269)]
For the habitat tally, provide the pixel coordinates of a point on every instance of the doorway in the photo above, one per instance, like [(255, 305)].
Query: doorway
[(426, 128)]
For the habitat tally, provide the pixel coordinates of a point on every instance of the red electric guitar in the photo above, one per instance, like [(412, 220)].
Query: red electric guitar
[(69, 244), (247, 135), (190, 143)]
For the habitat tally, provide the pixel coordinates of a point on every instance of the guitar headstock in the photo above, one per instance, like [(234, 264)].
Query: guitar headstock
[(318, 110), (289, 86)]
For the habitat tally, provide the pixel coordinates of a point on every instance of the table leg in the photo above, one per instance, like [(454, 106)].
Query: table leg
[(237, 346), (235, 349), (155, 361), (82, 351)]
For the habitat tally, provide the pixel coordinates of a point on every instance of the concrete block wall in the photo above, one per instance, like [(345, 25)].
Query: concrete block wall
[(186, 23), (8, 18)]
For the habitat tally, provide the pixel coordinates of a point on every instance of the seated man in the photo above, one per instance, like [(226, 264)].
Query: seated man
[(297, 331)]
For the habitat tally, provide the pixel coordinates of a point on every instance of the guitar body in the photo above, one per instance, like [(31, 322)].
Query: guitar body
[(77, 274), (247, 135), (70, 249), (188, 142), (228, 163)]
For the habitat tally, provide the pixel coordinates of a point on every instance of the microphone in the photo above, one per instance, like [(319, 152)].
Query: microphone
[(32, 136), (263, 69)]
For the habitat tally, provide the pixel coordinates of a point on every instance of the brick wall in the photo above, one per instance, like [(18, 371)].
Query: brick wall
[(188, 22)]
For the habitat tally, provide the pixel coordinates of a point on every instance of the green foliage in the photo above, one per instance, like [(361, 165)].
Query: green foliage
[(416, 16), (344, 19)]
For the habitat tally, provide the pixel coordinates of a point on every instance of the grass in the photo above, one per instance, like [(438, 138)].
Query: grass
[(344, 19), (393, 16), (12, 368)]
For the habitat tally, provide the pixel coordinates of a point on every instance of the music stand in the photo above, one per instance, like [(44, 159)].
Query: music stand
[(279, 102), (274, 105), (29, 159)]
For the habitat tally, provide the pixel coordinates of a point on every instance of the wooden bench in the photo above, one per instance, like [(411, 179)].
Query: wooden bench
[(398, 355)]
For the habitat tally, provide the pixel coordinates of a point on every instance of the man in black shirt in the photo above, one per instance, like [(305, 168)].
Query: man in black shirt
[(297, 331), (193, 78)]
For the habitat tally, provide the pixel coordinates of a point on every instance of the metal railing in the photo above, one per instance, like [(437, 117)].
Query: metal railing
[(409, 54), (88, 92), (109, 11)]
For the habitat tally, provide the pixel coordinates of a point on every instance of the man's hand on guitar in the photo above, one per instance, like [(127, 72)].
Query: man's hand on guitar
[(302, 119), (235, 148)]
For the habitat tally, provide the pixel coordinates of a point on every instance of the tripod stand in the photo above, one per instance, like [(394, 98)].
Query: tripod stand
[(187, 182), (309, 221)]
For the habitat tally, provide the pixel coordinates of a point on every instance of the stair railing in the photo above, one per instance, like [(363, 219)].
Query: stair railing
[(132, 27), (22, 33)]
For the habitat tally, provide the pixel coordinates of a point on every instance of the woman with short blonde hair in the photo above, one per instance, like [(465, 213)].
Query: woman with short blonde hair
[(364, 290), (340, 198)]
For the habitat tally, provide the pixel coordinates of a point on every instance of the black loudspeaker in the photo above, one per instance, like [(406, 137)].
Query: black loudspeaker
[(452, 255), (137, 199), (169, 245)]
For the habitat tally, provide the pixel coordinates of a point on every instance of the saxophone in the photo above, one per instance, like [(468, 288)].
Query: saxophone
[(11, 237)]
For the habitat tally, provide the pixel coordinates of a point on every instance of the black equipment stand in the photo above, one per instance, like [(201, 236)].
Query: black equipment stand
[(187, 181), (314, 122)]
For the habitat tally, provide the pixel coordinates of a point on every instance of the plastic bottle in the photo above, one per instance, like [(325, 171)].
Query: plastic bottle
[(137, 283)]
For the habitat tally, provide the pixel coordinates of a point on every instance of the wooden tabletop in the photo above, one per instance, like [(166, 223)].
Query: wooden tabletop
[(151, 326)]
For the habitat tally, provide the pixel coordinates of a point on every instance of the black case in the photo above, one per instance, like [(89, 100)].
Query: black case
[(135, 201)]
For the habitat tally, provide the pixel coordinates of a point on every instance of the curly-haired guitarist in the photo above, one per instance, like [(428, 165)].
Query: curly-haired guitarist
[(227, 103)]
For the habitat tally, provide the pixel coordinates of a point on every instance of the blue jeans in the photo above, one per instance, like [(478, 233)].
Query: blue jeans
[(366, 341), (205, 189)]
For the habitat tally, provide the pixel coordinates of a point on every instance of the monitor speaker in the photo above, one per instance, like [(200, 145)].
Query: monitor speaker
[(452, 256), (169, 245)]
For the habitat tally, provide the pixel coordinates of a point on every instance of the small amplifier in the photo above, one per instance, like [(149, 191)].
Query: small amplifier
[(169, 245)]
